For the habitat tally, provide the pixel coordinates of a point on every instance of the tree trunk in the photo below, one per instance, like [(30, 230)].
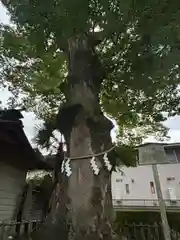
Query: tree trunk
[(83, 211)]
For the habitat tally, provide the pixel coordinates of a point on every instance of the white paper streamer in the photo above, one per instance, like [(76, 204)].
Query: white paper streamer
[(94, 166), (63, 165), (107, 162), (68, 168)]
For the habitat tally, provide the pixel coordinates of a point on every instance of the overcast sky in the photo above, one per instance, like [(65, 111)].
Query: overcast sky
[(30, 120)]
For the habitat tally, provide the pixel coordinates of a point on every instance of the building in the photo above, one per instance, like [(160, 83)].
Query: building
[(36, 201), (16, 158), (134, 187)]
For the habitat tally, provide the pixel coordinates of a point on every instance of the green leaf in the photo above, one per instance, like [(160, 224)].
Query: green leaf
[(139, 52)]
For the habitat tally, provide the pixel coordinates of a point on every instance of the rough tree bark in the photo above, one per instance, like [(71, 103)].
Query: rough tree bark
[(83, 205)]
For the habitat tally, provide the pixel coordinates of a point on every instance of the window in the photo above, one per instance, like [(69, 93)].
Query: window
[(127, 188), (171, 155), (170, 178), (119, 180), (152, 187)]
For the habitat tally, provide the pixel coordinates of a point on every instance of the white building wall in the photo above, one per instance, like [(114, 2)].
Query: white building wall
[(12, 182), (139, 178)]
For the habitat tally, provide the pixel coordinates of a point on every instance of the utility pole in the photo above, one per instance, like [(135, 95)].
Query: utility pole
[(162, 206)]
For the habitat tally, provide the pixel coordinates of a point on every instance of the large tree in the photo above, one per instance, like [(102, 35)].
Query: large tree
[(71, 61)]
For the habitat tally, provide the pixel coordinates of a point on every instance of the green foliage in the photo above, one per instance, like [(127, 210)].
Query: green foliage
[(35, 81), (45, 133), (123, 155), (139, 52)]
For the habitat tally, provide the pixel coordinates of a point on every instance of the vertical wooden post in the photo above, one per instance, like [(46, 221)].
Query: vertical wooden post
[(156, 230), (149, 233), (142, 231), (34, 226), (18, 228), (26, 228), (164, 220), (2, 229)]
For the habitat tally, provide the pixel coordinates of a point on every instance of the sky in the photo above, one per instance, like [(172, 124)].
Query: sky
[(30, 120)]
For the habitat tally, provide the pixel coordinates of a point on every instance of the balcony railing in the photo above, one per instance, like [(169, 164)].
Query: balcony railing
[(146, 203)]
